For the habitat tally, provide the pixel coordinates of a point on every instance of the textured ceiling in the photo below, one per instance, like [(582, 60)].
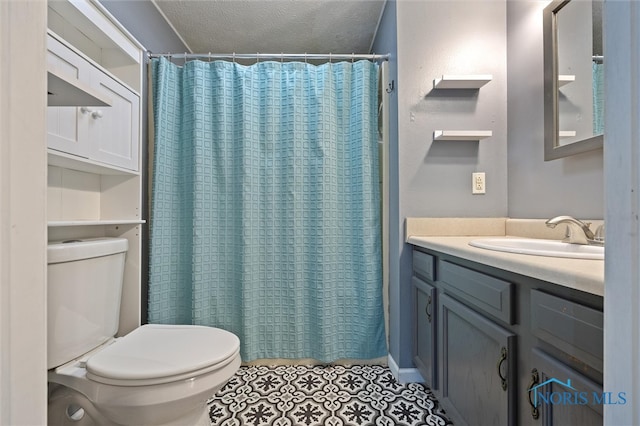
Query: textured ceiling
[(274, 26)]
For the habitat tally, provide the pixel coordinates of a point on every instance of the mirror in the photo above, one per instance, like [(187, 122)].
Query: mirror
[(573, 78)]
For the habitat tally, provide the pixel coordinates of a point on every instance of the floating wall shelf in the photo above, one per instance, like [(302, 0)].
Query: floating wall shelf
[(461, 135), (474, 81), (565, 79)]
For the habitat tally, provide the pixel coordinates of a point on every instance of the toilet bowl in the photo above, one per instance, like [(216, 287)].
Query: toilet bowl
[(155, 375)]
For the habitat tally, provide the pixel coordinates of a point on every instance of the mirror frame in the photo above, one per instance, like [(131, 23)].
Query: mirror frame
[(552, 148)]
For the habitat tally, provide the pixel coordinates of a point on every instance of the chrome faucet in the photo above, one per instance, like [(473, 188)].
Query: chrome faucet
[(584, 237)]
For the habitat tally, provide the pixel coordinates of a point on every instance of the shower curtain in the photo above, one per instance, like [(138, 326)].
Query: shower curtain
[(265, 211)]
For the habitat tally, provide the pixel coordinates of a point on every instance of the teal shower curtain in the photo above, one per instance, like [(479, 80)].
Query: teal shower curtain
[(265, 211)]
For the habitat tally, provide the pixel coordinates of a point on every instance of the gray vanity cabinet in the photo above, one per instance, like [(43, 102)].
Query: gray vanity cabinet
[(478, 366), (426, 317), (559, 391), (424, 356), (559, 395), (485, 337)]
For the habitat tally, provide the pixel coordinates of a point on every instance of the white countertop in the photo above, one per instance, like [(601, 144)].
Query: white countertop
[(580, 274)]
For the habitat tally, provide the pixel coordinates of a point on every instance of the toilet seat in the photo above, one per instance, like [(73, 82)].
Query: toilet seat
[(155, 354)]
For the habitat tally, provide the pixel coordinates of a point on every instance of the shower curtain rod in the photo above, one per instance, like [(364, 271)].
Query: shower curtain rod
[(271, 56)]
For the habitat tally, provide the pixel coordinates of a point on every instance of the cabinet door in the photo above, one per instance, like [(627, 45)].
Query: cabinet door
[(64, 130), (425, 331), (478, 367), (113, 132), (559, 395)]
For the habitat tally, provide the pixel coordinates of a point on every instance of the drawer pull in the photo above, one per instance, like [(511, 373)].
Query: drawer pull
[(427, 309), (503, 358), (535, 379), (95, 114)]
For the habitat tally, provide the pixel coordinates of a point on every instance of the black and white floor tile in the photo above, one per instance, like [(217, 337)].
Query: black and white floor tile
[(332, 395)]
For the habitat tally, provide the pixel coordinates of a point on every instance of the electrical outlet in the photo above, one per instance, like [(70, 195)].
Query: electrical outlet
[(478, 183)]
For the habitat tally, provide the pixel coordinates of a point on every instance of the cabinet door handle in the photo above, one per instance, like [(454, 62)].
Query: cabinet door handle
[(535, 379), (95, 114), (427, 309), (503, 358)]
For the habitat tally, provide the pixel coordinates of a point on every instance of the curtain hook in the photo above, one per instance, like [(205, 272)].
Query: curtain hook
[(329, 57), (305, 57), (353, 55), (234, 57), (281, 57), (185, 58), (209, 56), (257, 57)]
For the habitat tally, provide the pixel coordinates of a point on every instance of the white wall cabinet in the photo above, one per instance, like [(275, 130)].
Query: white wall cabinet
[(112, 132), (62, 122), (94, 184), (106, 134)]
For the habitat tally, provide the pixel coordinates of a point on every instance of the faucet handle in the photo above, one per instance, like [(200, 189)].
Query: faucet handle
[(599, 234)]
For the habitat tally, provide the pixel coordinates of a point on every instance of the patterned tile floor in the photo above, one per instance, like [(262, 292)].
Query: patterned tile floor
[(333, 395)]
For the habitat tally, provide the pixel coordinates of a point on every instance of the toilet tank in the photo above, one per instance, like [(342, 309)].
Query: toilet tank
[(84, 285)]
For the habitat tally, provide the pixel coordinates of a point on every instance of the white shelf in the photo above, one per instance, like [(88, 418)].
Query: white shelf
[(565, 79), (461, 135), (567, 133), (474, 81), (68, 161), (56, 223)]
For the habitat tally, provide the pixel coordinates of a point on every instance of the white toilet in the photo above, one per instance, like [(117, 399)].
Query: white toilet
[(155, 375)]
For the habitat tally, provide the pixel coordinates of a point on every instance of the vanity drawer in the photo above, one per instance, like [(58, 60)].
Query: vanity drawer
[(575, 329), (491, 295), (423, 264)]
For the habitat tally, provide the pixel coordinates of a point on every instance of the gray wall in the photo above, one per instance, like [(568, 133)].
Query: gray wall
[(539, 189), (451, 37), (430, 178)]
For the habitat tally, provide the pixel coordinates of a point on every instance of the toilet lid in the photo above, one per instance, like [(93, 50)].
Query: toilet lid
[(156, 351)]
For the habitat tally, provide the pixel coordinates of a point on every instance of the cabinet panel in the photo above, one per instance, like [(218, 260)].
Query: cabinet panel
[(573, 328), (478, 367), (425, 333), (492, 295), (113, 131), (63, 130), (424, 265), (563, 396)]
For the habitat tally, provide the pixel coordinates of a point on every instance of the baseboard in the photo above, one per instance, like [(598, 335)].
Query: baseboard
[(404, 375)]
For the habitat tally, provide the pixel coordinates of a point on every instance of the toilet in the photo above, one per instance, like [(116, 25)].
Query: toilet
[(155, 375)]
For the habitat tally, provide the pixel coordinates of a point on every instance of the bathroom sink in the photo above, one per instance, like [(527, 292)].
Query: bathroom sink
[(540, 247)]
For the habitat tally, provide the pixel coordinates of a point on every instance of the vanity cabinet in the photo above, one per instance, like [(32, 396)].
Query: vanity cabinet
[(478, 365), (559, 395), (425, 337), (426, 317), (493, 338)]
